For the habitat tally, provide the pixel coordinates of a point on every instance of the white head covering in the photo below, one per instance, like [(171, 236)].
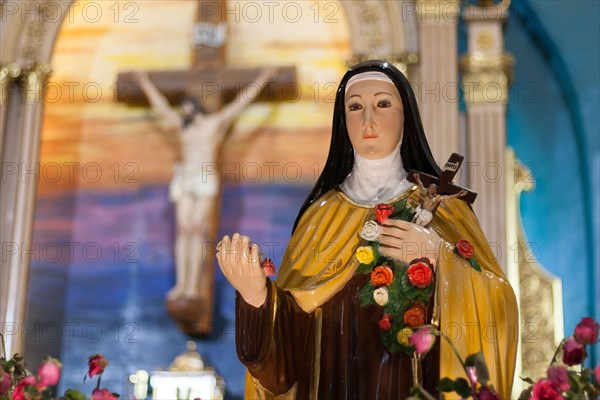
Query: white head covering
[(368, 76)]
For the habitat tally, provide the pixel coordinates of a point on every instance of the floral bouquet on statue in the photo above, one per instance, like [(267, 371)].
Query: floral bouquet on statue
[(402, 289)]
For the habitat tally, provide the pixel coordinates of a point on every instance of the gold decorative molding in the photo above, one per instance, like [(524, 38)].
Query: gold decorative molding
[(486, 78), (539, 293), (401, 61), (7, 75), (34, 80)]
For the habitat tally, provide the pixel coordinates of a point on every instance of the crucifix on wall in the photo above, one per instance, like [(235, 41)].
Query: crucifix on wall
[(204, 94)]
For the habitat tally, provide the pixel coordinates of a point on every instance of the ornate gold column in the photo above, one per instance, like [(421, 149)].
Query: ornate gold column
[(487, 72), (29, 31), (437, 88)]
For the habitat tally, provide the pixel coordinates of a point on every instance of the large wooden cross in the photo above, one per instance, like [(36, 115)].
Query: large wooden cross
[(214, 84), (444, 182)]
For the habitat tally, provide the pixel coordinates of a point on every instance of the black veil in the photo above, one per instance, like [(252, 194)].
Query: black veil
[(414, 150)]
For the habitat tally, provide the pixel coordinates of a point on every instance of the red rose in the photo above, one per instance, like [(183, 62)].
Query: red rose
[(385, 324), (102, 394), (96, 364), (49, 373), (382, 276), (586, 331), (597, 373), (415, 315), (465, 248), (420, 274), (486, 394), (269, 266), (558, 375), (573, 352), (22, 386), (382, 212), (545, 390), (5, 382)]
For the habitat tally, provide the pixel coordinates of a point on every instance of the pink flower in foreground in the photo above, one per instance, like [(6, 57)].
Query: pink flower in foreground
[(586, 331), (96, 364), (573, 352), (102, 394), (422, 339), (5, 382), (472, 375), (558, 375), (487, 394), (19, 390), (545, 390), (597, 374), (49, 373)]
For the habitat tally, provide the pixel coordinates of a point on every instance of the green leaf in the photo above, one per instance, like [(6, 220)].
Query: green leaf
[(525, 394), (462, 387), (446, 385), (74, 395), (366, 294), (474, 264), (528, 380), (481, 370)]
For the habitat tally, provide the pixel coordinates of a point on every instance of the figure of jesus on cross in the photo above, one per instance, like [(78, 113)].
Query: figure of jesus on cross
[(195, 186)]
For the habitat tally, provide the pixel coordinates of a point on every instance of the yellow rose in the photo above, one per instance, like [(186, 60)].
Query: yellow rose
[(403, 335), (365, 254)]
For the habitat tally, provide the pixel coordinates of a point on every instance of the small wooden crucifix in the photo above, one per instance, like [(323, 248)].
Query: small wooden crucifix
[(439, 189), (191, 301)]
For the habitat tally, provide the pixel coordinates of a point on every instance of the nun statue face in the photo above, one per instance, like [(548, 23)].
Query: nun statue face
[(374, 117)]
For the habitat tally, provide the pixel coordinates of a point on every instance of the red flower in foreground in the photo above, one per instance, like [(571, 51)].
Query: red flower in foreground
[(96, 363), (586, 331), (465, 248), (487, 394), (573, 352), (5, 382), (19, 390), (269, 266), (415, 315), (382, 275), (49, 373), (385, 324), (558, 375), (545, 390), (597, 374), (420, 274), (102, 394), (382, 212)]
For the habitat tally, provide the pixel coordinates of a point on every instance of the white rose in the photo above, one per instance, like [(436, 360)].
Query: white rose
[(381, 295), (370, 231)]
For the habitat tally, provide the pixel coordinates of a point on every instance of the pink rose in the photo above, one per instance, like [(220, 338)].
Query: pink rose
[(422, 339), (597, 374), (545, 390), (5, 382), (49, 373), (586, 331), (22, 386), (487, 394), (558, 375), (96, 364), (102, 394), (573, 352)]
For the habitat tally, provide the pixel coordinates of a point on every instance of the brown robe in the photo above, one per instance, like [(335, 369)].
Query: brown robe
[(354, 364)]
